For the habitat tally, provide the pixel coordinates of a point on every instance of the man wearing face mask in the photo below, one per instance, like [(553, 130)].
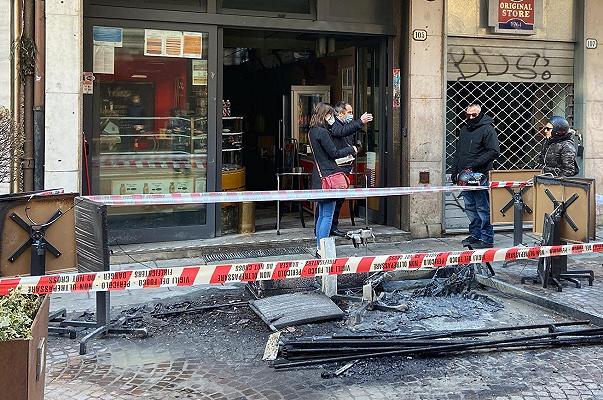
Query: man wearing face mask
[(476, 149), (342, 131)]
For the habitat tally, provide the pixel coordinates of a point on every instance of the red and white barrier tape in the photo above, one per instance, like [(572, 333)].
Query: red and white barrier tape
[(155, 164), (276, 270), (284, 195)]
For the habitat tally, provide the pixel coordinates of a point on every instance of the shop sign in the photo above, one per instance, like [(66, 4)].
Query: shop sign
[(515, 16), (173, 44), (87, 83)]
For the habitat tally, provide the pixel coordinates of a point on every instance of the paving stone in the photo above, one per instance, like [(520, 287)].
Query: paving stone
[(121, 368)]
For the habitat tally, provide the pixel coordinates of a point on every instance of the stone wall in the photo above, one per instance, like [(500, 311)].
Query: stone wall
[(63, 119)]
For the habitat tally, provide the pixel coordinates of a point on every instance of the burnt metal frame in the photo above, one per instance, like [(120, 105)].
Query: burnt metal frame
[(103, 325), (554, 269)]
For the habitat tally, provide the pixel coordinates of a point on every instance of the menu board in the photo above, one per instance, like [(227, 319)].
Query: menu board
[(173, 43)]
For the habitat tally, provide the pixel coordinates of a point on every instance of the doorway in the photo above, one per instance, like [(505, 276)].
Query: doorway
[(270, 82)]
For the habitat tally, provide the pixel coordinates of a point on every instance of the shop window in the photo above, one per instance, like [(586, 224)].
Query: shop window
[(281, 8), (176, 5), (150, 112)]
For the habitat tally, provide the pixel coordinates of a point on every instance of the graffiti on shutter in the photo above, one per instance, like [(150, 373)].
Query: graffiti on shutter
[(500, 60)]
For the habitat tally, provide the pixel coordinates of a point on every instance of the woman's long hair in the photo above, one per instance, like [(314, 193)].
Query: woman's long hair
[(319, 114)]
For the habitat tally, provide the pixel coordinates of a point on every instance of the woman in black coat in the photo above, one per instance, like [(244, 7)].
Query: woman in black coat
[(558, 156), (325, 153)]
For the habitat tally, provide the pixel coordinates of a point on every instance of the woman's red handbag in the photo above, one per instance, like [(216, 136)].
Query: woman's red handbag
[(338, 180)]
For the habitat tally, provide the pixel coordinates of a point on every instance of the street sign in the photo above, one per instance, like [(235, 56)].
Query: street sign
[(419, 35), (591, 43)]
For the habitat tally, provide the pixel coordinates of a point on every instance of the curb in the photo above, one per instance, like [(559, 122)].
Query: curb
[(526, 295)]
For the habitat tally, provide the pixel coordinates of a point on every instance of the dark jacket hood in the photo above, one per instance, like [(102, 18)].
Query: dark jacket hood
[(560, 138), (484, 120)]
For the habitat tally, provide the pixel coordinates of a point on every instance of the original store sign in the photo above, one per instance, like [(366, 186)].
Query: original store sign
[(514, 16)]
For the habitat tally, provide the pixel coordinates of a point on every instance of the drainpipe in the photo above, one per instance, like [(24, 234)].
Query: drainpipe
[(39, 92), (29, 33), (15, 181)]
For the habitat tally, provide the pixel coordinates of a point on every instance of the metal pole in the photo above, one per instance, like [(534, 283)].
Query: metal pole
[(517, 219), (15, 184), (39, 94), (29, 32), (327, 251), (278, 205)]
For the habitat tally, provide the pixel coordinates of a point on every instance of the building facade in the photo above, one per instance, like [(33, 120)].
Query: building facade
[(181, 96)]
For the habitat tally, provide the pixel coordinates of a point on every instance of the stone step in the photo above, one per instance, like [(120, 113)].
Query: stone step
[(289, 238)]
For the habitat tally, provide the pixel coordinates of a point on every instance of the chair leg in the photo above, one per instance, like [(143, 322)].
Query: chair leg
[(301, 214), (351, 206)]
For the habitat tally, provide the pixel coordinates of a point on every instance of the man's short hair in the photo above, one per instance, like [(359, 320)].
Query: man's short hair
[(474, 105), (340, 107)]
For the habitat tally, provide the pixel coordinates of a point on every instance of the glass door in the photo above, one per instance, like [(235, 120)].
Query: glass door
[(150, 121), (370, 97)]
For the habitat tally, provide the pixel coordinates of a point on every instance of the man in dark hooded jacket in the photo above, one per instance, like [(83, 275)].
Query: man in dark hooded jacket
[(558, 155), (342, 133), (476, 149)]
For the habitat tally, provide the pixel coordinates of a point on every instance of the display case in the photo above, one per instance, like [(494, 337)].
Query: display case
[(142, 155), (233, 171), (232, 143), (303, 100)]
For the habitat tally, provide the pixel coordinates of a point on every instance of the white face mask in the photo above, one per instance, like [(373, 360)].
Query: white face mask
[(330, 120)]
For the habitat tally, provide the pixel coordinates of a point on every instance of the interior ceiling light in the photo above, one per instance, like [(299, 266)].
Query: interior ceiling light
[(139, 76)]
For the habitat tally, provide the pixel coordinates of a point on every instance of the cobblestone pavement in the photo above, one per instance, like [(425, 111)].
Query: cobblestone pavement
[(218, 356)]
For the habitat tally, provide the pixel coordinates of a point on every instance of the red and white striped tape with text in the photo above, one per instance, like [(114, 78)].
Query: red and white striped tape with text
[(276, 270), (284, 195)]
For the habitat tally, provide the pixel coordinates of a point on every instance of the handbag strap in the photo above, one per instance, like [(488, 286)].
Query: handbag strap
[(314, 155)]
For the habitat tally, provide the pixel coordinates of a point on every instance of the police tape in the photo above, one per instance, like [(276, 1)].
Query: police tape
[(285, 195), (276, 270)]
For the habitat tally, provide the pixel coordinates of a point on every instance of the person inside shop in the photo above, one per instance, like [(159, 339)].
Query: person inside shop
[(558, 155), (476, 149), (325, 153), (135, 111), (342, 132)]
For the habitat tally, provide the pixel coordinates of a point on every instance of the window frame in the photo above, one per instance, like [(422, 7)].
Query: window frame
[(271, 14)]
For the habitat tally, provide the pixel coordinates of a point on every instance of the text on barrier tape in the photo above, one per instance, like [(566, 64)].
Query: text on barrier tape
[(284, 195), (276, 270)]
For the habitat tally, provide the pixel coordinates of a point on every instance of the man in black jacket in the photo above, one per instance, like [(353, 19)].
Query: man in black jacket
[(342, 133), (558, 156), (476, 149)]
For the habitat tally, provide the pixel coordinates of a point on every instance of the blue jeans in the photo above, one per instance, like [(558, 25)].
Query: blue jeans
[(477, 208), (326, 209)]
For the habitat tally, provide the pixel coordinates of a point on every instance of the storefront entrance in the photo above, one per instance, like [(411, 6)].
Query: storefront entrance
[(271, 82), (194, 105)]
